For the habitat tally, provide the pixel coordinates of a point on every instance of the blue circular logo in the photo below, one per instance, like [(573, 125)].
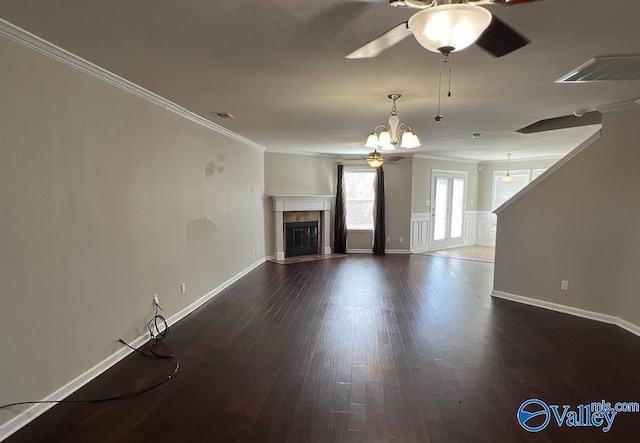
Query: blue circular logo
[(538, 410)]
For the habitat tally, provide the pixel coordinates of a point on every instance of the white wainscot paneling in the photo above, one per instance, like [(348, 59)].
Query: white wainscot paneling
[(486, 228), (470, 227), (420, 232)]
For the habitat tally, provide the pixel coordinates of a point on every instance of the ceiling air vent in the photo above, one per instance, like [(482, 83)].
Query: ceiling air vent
[(603, 69), (223, 115)]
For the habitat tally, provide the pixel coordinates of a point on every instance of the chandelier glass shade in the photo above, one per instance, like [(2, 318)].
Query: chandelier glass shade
[(449, 27), (395, 133)]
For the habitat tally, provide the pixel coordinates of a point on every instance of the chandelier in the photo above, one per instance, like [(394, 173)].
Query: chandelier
[(396, 133)]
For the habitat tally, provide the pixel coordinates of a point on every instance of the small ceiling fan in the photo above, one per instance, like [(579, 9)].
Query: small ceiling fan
[(446, 26)]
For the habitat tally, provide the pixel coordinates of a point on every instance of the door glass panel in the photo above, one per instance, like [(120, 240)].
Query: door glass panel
[(457, 207), (440, 214)]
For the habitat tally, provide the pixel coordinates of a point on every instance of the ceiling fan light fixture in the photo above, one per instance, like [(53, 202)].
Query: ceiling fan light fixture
[(449, 27), (375, 159)]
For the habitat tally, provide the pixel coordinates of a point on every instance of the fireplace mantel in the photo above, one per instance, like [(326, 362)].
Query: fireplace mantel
[(286, 203)]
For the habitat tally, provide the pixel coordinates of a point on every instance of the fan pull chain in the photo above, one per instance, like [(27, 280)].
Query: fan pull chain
[(449, 91), (445, 58)]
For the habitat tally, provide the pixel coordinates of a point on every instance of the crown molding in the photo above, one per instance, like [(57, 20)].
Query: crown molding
[(303, 153), (520, 160), (446, 159), (32, 41)]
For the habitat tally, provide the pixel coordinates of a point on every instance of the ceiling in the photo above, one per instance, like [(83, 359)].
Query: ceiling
[(279, 67)]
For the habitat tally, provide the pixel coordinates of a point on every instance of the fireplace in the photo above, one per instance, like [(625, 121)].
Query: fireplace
[(301, 238), (302, 209)]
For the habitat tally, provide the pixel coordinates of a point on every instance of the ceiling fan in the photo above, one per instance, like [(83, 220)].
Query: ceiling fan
[(375, 159), (446, 26)]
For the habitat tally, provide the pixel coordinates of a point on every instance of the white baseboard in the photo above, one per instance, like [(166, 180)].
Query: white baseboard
[(369, 251), (634, 329), (591, 315), (397, 251), (485, 243), (359, 251), (36, 410)]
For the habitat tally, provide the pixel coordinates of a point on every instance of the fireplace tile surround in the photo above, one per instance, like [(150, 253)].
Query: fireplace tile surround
[(284, 204)]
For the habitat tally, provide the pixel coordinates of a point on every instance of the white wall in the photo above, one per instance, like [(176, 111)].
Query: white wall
[(106, 199)]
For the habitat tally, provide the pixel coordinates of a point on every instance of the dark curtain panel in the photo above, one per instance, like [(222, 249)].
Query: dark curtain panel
[(340, 222), (378, 214)]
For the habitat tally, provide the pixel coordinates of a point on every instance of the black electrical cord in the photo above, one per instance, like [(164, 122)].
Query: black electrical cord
[(158, 326), (120, 396)]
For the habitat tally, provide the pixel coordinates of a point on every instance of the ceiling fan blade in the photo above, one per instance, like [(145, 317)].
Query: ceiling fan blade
[(382, 42), (501, 39), (564, 122)]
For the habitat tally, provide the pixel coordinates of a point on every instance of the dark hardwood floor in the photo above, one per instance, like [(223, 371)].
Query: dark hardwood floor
[(363, 349)]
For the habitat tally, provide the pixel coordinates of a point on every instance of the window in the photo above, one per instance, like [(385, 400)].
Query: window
[(360, 194), (504, 191)]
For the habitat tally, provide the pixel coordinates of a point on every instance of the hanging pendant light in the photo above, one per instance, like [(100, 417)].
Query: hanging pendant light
[(395, 133), (508, 178)]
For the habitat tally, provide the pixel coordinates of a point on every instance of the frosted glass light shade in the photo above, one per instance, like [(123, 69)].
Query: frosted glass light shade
[(409, 140), (372, 141), (508, 178), (454, 26), (384, 141)]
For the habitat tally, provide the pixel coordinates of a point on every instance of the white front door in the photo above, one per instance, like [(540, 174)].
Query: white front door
[(447, 209)]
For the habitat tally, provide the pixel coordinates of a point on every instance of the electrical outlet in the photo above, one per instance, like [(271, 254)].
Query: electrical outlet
[(156, 299), (388, 239), (564, 285), (401, 239), (183, 288)]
